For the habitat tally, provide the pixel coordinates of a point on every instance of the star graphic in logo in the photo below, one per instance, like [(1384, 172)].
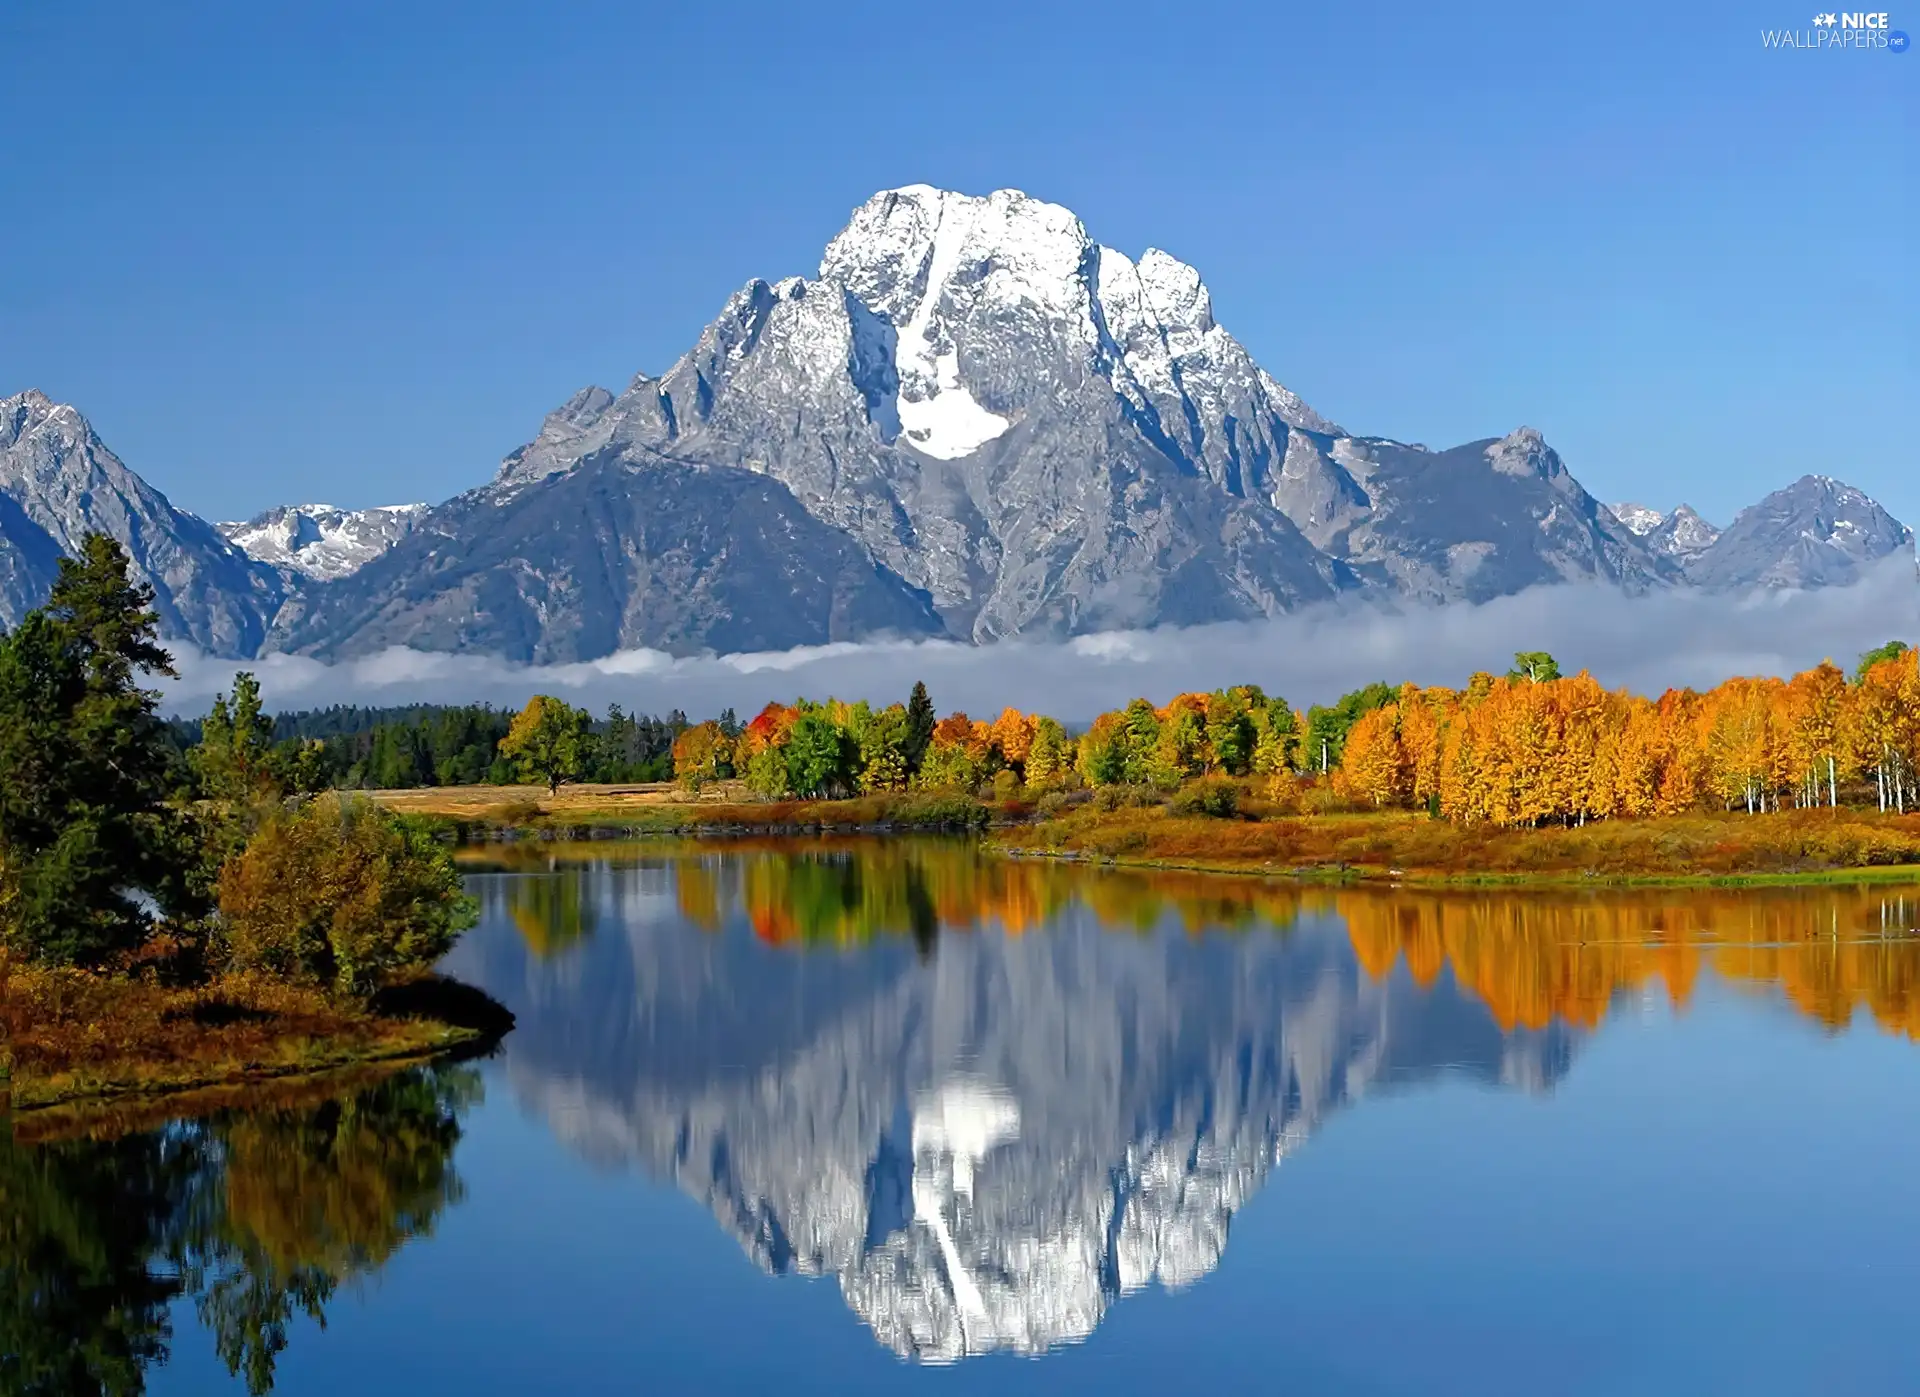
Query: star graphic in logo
[(1826, 21)]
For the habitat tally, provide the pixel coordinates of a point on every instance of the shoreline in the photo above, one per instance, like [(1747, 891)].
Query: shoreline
[(445, 1042), (95, 1044), (231, 1035), (1701, 849), (1361, 876)]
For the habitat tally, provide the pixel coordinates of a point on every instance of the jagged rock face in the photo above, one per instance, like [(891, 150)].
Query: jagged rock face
[(29, 562), (1817, 532), (61, 483), (615, 555), (988, 1142), (320, 541)]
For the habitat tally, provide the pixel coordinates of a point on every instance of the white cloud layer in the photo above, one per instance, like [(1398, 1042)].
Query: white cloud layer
[(1644, 643)]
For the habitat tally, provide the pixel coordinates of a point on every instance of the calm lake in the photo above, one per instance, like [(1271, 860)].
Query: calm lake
[(858, 1117)]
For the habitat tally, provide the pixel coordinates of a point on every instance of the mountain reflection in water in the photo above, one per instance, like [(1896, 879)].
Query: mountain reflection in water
[(989, 1098), (987, 1135)]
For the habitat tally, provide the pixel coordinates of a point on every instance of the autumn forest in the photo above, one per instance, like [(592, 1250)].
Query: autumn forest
[(1526, 748)]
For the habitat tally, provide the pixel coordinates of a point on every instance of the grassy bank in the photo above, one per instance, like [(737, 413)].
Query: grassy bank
[(1794, 846), (78, 1037), (665, 809)]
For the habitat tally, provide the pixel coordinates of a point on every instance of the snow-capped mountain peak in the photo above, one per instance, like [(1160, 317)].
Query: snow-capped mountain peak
[(982, 290), (1684, 533), (320, 540), (905, 251), (1681, 534), (1639, 519)]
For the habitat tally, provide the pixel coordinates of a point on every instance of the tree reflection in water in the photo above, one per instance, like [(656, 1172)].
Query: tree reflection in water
[(1533, 956), (258, 1213)]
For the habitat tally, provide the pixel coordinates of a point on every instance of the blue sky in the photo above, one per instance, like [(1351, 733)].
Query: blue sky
[(355, 251)]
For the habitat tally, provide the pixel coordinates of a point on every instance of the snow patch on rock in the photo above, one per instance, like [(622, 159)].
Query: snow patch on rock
[(936, 412)]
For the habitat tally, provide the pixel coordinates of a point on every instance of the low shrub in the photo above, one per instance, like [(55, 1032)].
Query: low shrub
[(1054, 804), (1325, 800), (934, 810), (1214, 797), (1110, 798)]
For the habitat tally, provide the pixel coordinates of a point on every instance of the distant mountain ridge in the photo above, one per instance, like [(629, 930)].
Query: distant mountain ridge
[(321, 541), (1818, 532), (974, 421)]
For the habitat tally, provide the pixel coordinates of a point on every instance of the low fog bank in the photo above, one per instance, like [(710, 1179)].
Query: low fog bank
[(1644, 643)]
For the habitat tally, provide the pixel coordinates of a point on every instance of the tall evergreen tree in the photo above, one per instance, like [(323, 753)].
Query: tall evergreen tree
[(920, 723), (87, 839), (235, 738)]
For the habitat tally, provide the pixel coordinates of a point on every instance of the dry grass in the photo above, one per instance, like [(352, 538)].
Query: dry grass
[(74, 1035), (1797, 844), (728, 807), (522, 804)]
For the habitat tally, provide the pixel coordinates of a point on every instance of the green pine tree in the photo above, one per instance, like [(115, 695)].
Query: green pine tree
[(920, 724), (86, 836)]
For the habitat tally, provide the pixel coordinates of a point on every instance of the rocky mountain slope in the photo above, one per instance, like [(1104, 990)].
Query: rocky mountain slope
[(1817, 532), (59, 482), (988, 1140), (321, 541), (614, 555)]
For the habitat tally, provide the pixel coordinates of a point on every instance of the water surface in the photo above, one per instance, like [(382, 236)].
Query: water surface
[(846, 1117)]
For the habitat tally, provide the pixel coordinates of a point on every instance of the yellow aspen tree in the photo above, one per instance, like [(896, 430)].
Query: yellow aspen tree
[(1876, 729), (1372, 765), (1682, 753), (1816, 721), (1013, 734), (1585, 720), (1422, 715)]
